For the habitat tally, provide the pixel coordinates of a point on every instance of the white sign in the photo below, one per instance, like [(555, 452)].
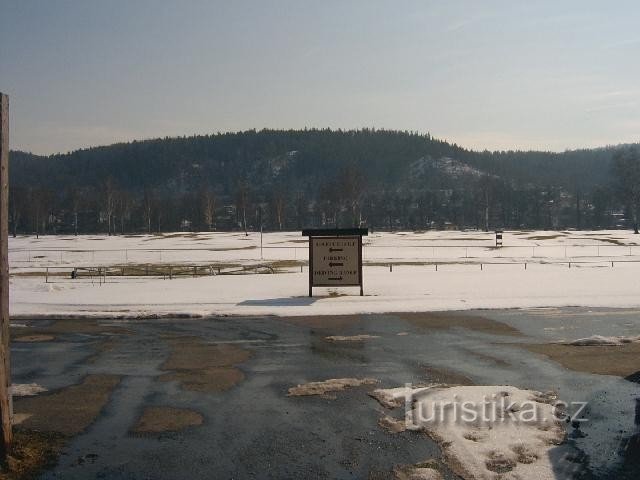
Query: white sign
[(335, 261)]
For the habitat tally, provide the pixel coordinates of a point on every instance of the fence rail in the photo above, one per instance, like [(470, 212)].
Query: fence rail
[(36, 258), (99, 274)]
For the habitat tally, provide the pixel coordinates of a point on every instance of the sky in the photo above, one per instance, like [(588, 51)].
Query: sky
[(549, 75)]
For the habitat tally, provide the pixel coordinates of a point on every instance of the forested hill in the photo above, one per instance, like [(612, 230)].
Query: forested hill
[(302, 177), (217, 160)]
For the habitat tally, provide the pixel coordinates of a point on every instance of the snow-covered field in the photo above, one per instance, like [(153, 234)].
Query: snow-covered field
[(235, 247), (460, 282)]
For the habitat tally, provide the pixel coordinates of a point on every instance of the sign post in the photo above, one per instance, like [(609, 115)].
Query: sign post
[(5, 371), (335, 257)]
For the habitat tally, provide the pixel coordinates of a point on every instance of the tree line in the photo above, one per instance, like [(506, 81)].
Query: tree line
[(287, 180)]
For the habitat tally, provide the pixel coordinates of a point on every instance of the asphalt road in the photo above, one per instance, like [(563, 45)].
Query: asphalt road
[(229, 377)]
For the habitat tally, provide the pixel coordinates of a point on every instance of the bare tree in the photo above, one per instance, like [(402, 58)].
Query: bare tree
[(352, 186), (38, 199), (626, 170), (76, 198), (209, 208), (279, 203), (302, 209), (578, 208), (36, 210), (242, 201), (329, 200), (16, 205), (163, 211), (148, 204), (123, 208), (486, 201), (109, 201)]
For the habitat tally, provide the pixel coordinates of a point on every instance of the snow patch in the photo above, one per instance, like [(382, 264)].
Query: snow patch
[(18, 418), (351, 338), (391, 425), (415, 472), (512, 434), (26, 389), (599, 340), (330, 385)]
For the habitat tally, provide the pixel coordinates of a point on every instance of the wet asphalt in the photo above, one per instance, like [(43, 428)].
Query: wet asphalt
[(254, 430)]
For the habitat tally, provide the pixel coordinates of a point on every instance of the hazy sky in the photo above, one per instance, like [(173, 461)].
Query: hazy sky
[(484, 74)]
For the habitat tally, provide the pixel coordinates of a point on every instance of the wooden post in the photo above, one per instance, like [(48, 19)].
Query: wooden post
[(5, 370), (311, 266), (360, 264)]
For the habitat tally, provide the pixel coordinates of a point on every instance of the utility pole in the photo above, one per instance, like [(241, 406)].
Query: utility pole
[(260, 220), (5, 370), (578, 210)]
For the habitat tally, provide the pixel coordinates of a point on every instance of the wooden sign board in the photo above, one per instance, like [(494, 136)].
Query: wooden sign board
[(336, 261), (335, 257)]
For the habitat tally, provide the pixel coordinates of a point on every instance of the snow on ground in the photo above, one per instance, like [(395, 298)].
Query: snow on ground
[(471, 274), (350, 338), (487, 431), (595, 340), (27, 252), (26, 389), (406, 289)]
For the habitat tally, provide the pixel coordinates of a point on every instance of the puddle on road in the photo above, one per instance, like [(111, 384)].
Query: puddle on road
[(59, 327), (166, 419), (332, 322), (446, 376), (103, 346), (449, 320), (68, 410), (621, 360), (47, 331), (485, 357), (33, 338), (351, 352), (203, 367)]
